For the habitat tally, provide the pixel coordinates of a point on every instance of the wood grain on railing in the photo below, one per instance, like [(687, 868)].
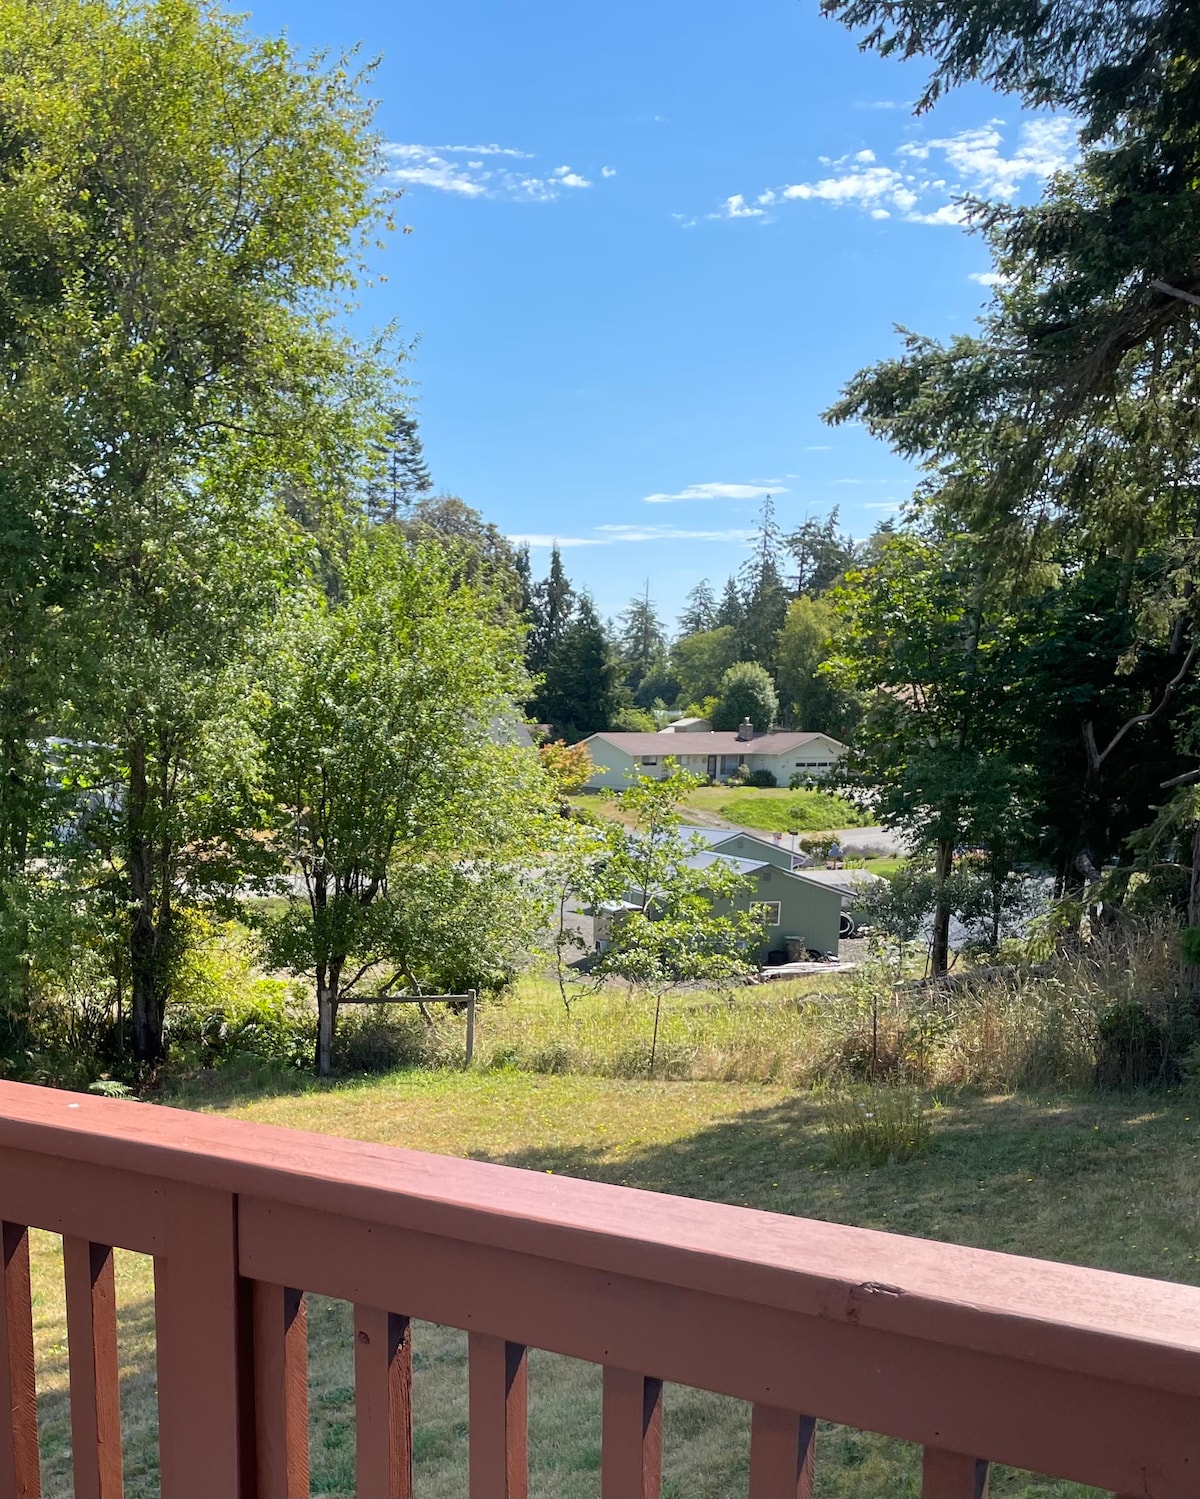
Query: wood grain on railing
[(280, 1316), (383, 1404), (20, 1472), (95, 1372)]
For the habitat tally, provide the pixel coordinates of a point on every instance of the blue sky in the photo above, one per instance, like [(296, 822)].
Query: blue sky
[(650, 243)]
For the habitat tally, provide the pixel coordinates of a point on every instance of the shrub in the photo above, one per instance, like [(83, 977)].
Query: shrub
[(872, 1126), (763, 779)]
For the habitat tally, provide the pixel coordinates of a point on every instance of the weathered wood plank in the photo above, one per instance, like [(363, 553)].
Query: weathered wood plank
[(383, 1404), (782, 1448), (95, 1374), (280, 1317), (20, 1469), (631, 1440), (499, 1408)]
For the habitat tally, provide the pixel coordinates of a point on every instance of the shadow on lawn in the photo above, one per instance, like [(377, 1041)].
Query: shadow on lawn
[(1095, 1179)]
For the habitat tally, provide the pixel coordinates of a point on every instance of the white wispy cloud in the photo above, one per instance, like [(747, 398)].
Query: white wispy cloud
[(544, 539), (608, 171), (927, 177), (480, 172), (989, 278), (881, 104), (716, 492), (673, 533), (615, 535)]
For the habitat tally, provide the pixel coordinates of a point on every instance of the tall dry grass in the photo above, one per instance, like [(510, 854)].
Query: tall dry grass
[(1028, 1025)]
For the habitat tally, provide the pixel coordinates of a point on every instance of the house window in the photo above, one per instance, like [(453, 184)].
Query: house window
[(769, 910), (729, 763), (649, 759)]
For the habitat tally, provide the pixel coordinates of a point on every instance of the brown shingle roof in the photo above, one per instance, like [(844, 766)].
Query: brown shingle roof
[(712, 743)]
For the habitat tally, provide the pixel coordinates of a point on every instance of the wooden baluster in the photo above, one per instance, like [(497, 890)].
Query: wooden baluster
[(280, 1316), (781, 1454), (95, 1376), (631, 1442), (206, 1424), (20, 1472), (383, 1404), (950, 1475), (499, 1401)]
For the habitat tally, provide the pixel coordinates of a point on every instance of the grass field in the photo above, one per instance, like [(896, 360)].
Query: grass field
[(1098, 1179), (770, 810)]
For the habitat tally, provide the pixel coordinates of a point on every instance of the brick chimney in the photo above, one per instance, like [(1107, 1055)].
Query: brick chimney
[(745, 730)]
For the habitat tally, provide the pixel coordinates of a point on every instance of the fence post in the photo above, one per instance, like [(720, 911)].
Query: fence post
[(470, 1025)]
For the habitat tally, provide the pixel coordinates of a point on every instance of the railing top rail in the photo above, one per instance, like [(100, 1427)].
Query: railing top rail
[(1127, 1327)]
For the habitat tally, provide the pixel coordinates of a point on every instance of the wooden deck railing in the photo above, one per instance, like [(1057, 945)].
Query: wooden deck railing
[(976, 1356)]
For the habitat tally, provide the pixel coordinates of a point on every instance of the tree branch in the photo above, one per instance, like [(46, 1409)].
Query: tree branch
[(1097, 756)]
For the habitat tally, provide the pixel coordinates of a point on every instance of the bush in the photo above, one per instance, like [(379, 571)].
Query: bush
[(873, 1126), (762, 779)]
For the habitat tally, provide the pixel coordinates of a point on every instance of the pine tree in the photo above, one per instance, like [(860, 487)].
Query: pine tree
[(581, 694), (700, 610), (732, 610), (641, 641), (403, 473), (820, 554), (551, 604), (763, 592)]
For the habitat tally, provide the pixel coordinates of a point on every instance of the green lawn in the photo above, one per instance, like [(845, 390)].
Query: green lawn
[(1099, 1179), (771, 810)]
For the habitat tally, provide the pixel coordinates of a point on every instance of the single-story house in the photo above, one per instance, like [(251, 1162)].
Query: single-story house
[(715, 756), (797, 906)]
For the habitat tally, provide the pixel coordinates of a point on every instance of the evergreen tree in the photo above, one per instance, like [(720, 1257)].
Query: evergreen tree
[(700, 610), (551, 604), (581, 694), (821, 554), (732, 609), (763, 592), (403, 475), (641, 641)]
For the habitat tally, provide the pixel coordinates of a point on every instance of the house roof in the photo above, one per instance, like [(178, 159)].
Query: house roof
[(711, 743)]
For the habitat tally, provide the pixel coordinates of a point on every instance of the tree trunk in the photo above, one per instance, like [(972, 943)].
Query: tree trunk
[(1191, 971), (150, 932), (329, 978), (939, 951)]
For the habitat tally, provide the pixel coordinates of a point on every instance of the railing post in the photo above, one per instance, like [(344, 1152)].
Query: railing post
[(280, 1392), (205, 1409), (631, 1436), (20, 1471), (470, 1025), (951, 1475), (382, 1404), (95, 1375), (499, 1415), (781, 1454)]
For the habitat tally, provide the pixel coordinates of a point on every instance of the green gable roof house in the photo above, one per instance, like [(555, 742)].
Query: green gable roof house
[(715, 756), (797, 905)]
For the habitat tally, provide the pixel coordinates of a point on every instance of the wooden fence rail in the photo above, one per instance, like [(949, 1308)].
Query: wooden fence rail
[(977, 1357)]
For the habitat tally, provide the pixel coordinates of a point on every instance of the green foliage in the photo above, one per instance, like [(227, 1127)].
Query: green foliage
[(746, 691), (874, 1126), (812, 698), (804, 811), (762, 780), (633, 721), (393, 797), (700, 661), (580, 694)]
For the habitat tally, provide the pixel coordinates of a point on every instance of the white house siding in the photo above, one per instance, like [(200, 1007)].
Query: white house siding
[(612, 766)]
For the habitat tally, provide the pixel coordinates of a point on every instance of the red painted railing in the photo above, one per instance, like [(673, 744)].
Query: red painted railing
[(976, 1356)]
